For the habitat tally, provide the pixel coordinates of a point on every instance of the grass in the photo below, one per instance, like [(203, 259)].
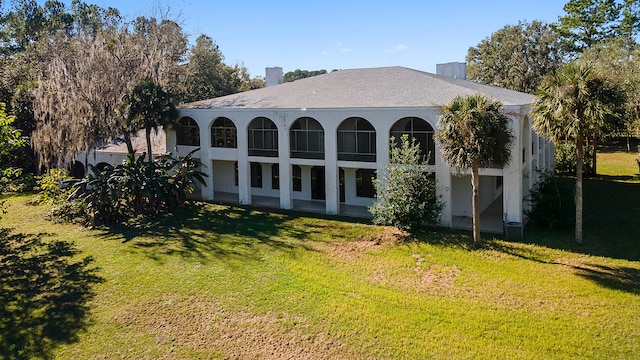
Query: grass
[(215, 281)]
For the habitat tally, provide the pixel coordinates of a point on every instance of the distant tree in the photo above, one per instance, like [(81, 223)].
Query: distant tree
[(516, 57), (474, 131), (574, 103), (301, 74), (589, 22), (405, 191), (206, 74), (246, 81), (618, 61)]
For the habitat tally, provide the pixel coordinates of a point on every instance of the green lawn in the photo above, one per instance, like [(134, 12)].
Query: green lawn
[(222, 282)]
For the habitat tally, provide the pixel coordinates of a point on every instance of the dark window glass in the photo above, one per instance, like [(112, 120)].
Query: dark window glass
[(187, 132), (275, 176), (296, 176), (256, 175), (223, 133), (364, 183)]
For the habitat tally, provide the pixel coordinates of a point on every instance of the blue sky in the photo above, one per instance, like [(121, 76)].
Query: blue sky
[(313, 35)]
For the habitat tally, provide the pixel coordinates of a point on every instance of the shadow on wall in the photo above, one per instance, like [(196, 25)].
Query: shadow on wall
[(44, 295)]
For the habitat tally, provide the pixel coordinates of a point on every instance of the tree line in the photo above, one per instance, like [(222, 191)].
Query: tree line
[(70, 73)]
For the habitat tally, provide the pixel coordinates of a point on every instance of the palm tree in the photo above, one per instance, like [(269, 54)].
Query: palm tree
[(150, 106), (474, 131), (573, 103)]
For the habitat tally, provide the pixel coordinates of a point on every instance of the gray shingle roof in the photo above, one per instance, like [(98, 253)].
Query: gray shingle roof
[(363, 88)]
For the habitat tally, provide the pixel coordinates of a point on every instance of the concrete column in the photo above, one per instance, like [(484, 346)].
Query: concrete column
[(332, 184), (512, 174), (244, 174), (205, 157), (444, 191), (284, 161)]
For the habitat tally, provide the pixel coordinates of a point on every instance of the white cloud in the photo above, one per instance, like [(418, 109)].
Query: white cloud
[(399, 47)]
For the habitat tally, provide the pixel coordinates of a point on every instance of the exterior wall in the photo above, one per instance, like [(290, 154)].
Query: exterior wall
[(530, 154)]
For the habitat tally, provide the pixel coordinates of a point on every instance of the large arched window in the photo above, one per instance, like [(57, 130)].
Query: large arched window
[(187, 132), (307, 139), (420, 130), (224, 133), (263, 137), (356, 140)]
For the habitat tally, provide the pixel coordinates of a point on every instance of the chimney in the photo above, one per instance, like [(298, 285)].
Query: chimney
[(456, 70), (273, 76)]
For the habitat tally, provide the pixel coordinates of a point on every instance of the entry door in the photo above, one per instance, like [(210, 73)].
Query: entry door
[(317, 183)]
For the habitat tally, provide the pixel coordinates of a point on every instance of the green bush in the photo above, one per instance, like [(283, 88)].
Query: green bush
[(53, 186), (565, 159), (406, 192), (14, 179), (552, 201)]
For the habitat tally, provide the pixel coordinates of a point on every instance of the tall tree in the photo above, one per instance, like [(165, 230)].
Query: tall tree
[(150, 106), (588, 22), (618, 61), (80, 92), (474, 131), (206, 74), (516, 57), (573, 103)]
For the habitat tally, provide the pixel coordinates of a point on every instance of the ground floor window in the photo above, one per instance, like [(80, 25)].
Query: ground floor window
[(296, 176), (256, 175), (364, 183), (275, 176)]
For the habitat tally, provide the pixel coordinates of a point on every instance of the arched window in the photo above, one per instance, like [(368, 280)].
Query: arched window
[(187, 132), (224, 133), (263, 137), (420, 130), (356, 140), (307, 139)]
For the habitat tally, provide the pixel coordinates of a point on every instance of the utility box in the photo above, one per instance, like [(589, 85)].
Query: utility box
[(513, 231)]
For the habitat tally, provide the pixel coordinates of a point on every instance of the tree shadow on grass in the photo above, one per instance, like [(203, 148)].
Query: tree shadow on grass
[(206, 231), (610, 227), (621, 278), (44, 295)]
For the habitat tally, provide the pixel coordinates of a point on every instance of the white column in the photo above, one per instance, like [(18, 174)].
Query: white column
[(512, 175), (284, 161), (205, 158), (443, 189), (244, 174), (332, 184)]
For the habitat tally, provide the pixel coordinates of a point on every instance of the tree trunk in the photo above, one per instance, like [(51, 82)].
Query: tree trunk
[(594, 170), (579, 163), (475, 182), (148, 135), (130, 149)]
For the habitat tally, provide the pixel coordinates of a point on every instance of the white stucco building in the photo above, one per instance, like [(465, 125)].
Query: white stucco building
[(316, 143)]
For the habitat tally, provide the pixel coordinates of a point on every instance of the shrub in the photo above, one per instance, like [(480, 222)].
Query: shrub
[(565, 159), (552, 202), (53, 186), (406, 192), (14, 179), (132, 189)]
